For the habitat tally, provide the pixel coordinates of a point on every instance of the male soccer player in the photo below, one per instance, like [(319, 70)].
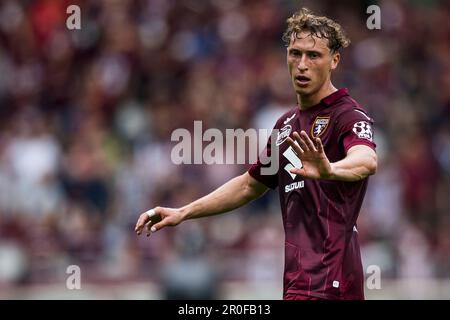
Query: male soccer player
[(326, 154)]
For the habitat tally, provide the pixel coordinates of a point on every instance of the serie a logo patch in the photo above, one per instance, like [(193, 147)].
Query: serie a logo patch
[(319, 126)]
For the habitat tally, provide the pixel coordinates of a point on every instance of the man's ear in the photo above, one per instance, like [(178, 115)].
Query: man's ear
[(335, 58)]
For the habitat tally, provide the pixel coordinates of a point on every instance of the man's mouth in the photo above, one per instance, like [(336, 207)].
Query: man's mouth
[(302, 80)]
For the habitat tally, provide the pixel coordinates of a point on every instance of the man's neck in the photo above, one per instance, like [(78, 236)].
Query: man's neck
[(305, 102)]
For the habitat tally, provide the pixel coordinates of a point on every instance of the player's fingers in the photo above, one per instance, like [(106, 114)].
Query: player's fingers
[(301, 142), (308, 141), (153, 212), (155, 217), (319, 145), (294, 146), (143, 218)]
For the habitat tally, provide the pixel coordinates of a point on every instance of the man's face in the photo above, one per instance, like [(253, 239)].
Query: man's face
[(310, 62)]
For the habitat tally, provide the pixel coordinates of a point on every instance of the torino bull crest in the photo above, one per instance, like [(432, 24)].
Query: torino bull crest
[(319, 126)]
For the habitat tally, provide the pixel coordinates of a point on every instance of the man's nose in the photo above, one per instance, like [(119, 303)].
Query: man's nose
[(302, 64)]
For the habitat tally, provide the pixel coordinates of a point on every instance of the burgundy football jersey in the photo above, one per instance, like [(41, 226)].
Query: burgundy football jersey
[(322, 254)]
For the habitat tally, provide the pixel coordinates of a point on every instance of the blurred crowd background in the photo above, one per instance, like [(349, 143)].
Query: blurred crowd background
[(86, 118)]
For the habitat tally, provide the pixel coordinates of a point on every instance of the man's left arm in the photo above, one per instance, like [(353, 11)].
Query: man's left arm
[(360, 162)]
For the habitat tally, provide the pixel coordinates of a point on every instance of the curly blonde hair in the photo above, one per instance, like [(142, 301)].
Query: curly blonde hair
[(318, 26)]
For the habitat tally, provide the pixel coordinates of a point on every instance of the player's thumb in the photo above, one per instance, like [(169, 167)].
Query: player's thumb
[(158, 226), (297, 171)]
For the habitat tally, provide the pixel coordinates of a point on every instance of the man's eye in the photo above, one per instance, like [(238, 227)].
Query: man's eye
[(313, 55), (295, 53)]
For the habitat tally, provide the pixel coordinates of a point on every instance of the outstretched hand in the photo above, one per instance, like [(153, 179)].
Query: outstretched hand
[(158, 218), (315, 162)]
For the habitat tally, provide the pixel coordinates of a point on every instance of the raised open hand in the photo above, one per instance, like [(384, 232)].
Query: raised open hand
[(315, 162)]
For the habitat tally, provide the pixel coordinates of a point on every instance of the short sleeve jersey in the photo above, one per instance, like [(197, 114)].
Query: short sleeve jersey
[(322, 254)]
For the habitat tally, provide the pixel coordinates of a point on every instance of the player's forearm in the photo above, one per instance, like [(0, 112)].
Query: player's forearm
[(355, 166), (231, 195)]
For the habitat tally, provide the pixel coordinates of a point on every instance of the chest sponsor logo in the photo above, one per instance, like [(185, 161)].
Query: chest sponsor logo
[(283, 134), (294, 185), (319, 126), (363, 130)]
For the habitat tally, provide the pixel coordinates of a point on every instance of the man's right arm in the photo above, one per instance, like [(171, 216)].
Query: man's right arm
[(231, 195)]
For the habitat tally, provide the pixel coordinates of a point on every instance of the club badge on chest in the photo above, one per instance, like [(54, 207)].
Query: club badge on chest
[(319, 126)]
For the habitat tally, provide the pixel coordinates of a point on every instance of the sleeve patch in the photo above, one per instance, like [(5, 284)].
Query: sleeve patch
[(363, 130)]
